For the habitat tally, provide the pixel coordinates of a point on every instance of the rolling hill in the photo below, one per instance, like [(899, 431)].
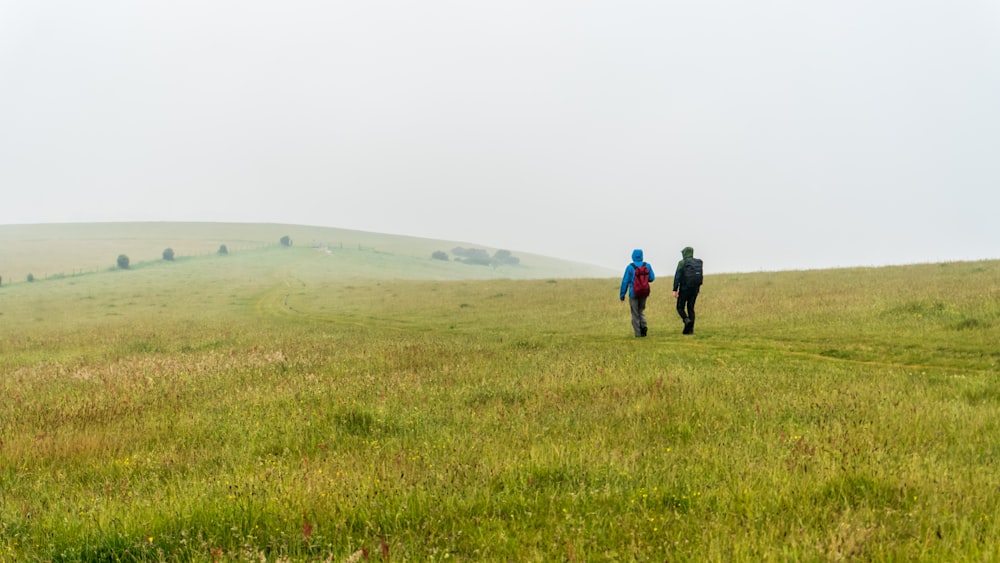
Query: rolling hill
[(59, 250)]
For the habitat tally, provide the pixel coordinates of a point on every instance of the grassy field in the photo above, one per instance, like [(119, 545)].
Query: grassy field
[(276, 405)]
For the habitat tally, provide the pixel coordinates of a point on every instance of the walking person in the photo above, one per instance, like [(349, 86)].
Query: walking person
[(687, 284), (635, 282)]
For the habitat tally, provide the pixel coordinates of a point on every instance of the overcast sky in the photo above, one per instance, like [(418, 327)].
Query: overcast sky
[(769, 135)]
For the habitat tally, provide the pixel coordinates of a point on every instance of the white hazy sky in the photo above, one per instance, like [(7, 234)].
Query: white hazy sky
[(775, 134)]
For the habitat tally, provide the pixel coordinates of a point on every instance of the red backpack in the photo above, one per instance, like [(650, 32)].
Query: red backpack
[(640, 281)]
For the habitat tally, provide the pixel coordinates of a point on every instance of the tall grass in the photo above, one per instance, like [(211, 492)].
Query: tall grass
[(266, 411)]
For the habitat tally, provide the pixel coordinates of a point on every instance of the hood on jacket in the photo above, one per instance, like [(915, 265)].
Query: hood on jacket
[(637, 256), (687, 252)]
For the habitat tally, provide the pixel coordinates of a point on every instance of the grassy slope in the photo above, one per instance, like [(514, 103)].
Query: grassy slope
[(224, 408), (68, 249)]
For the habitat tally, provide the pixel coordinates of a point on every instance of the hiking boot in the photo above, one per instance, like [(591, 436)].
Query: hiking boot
[(643, 331), (688, 327)]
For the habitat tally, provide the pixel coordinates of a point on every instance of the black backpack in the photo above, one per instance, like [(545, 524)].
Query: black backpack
[(693, 274)]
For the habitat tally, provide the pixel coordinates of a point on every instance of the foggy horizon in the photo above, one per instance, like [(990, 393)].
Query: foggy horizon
[(777, 136)]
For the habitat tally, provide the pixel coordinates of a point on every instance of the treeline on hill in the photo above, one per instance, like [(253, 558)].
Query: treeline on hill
[(124, 263), (168, 254), (473, 256), (479, 257)]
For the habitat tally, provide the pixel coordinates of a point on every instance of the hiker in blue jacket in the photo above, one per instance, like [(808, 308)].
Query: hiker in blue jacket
[(638, 276)]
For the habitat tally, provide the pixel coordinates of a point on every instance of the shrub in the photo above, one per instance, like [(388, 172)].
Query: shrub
[(502, 257), (439, 255), (123, 262), (476, 256), (223, 250), (481, 257), (31, 277), (286, 241), (168, 254)]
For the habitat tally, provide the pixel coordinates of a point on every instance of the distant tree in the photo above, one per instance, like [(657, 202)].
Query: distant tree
[(31, 277), (122, 262), (504, 257), (223, 250), (440, 255), (168, 254), (1, 281), (286, 241), (476, 256)]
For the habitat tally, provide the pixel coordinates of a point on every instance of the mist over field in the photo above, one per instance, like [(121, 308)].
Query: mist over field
[(339, 281), (776, 136)]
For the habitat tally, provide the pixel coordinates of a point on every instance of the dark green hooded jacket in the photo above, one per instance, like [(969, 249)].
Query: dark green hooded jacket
[(687, 252)]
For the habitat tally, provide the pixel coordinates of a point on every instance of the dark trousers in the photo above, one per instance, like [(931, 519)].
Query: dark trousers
[(685, 307)]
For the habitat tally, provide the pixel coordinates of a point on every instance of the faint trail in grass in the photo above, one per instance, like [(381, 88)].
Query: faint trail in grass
[(731, 347), (277, 302), (274, 301)]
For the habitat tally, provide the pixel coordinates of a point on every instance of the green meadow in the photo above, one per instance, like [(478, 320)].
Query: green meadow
[(344, 403)]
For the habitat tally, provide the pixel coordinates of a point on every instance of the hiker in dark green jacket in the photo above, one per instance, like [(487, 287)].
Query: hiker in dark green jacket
[(687, 284)]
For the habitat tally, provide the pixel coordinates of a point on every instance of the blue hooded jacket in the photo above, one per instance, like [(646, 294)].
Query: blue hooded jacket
[(630, 274)]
